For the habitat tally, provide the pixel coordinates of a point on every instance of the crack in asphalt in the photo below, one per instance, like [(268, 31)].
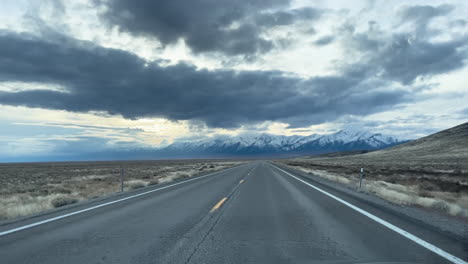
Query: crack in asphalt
[(230, 197)]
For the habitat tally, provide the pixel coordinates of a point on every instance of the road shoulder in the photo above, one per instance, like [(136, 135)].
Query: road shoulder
[(445, 225)]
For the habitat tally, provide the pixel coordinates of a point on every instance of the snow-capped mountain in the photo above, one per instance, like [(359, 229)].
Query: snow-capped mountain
[(267, 144)]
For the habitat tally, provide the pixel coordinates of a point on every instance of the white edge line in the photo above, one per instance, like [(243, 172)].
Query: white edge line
[(104, 204), (400, 231)]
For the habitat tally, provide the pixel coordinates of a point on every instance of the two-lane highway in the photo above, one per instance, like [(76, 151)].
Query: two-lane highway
[(255, 213)]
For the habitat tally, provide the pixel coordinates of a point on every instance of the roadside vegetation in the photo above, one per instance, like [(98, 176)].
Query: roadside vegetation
[(444, 190), (29, 188)]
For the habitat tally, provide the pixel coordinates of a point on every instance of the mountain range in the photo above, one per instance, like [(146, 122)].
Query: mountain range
[(279, 145), (241, 146)]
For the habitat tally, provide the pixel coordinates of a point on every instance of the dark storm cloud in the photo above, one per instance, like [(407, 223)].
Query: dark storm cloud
[(421, 16), (284, 18), (118, 82), (323, 41), (458, 23), (405, 59), (226, 26), (406, 56)]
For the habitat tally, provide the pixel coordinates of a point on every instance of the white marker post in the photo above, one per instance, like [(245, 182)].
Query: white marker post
[(361, 176)]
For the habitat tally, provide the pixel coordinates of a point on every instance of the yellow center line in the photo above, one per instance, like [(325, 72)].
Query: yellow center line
[(241, 181), (218, 205)]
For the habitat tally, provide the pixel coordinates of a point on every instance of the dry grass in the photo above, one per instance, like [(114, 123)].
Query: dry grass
[(135, 184), (31, 188), (63, 200), (427, 196), (25, 204)]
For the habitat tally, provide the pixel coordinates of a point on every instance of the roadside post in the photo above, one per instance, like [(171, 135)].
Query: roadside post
[(121, 179), (360, 177)]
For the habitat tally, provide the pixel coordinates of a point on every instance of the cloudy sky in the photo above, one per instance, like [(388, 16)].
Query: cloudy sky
[(77, 76)]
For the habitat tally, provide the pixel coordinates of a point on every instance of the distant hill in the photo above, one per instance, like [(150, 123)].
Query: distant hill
[(451, 143)]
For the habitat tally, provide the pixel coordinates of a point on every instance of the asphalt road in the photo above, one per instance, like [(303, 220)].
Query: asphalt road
[(254, 213)]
